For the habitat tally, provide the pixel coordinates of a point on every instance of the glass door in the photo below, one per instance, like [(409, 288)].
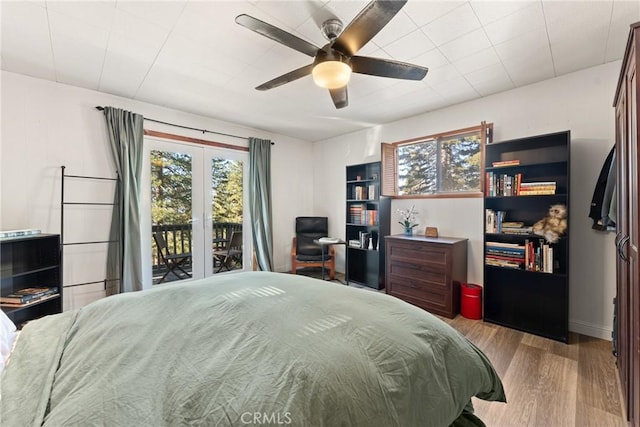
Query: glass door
[(194, 201), (225, 221)]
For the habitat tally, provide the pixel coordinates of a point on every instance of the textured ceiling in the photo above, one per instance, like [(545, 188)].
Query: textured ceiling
[(192, 56)]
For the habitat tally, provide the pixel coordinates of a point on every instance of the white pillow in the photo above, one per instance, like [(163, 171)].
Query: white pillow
[(7, 336)]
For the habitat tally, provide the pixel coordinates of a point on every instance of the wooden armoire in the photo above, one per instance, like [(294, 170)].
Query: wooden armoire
[(628, 229)]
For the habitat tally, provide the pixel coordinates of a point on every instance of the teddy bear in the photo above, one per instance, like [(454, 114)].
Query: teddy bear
[(552, 226)]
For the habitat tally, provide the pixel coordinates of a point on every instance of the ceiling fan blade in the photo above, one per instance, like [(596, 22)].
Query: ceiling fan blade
[(286, 78), (340, 97), (366, 25), (275, 33), (387, 68)]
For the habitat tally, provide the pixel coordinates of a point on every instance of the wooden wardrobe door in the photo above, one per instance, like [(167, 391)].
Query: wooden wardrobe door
[(630, 250), (628, 228), (622, 228)]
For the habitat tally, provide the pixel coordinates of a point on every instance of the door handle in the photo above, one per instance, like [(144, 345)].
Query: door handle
[(621, 245)]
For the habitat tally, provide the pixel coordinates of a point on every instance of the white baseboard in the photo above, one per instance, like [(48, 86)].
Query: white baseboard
[(591, 330)]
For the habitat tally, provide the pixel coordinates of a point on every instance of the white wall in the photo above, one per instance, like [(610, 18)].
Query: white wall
[(580, 102), (46, 125)]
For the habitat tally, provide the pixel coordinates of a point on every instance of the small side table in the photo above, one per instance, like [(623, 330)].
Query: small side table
[(346, 255)]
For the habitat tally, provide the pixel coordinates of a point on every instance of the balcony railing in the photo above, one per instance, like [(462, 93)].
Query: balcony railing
[(178, 238)]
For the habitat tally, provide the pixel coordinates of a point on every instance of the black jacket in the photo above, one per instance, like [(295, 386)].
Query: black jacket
[(603, 194)]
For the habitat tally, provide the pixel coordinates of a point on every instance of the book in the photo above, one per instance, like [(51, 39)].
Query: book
[(26, 295), (372, 192), (33, 301), (512, 224), (538, 184), (506, 245), (18, 233), (537, 192), (504, 163)]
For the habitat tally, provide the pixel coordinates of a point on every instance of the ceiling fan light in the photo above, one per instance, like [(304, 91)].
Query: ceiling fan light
[(331, 74)]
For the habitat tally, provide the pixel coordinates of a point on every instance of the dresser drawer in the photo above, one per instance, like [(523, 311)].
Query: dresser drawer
[(418, 253), (433, 298), (435, 274)]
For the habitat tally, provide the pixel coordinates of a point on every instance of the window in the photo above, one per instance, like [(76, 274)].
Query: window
[(444, 164)]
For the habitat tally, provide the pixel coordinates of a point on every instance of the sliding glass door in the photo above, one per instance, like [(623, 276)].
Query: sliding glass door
[(194, 202)]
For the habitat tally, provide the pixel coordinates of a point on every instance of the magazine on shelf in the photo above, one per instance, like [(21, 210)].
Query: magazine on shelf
[(28, 295), (328, 240)]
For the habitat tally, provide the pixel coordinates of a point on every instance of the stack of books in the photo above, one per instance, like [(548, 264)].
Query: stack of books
[(508, 255), (364, 193), (540, 257), (354, 243), (28, 296), (516, 227), (359, 214), (537, 188)]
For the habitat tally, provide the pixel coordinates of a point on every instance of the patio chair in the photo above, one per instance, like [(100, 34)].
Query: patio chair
[(171, 261), (231, 254)]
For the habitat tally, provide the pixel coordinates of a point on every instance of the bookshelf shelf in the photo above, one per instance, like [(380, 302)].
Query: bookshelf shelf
[(367, 214), (526, 281), (8, 308), (35, 270)]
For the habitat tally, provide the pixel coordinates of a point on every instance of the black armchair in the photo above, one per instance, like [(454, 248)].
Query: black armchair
[(305, 252)]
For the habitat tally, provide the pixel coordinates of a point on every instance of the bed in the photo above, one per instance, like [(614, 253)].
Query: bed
[(245, 348)]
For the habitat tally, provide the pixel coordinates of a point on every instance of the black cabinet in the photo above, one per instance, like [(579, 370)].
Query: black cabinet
[(367, 223), (526, 276), (31, 262)]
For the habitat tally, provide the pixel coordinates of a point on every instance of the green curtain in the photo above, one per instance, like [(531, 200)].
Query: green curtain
[(124, 260), (260, 201)]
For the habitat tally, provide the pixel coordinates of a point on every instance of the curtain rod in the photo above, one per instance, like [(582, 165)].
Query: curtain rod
[(190, 128)]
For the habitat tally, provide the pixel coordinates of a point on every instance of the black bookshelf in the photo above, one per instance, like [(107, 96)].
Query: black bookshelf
[(531, 295), (31, 262), (367, 222)]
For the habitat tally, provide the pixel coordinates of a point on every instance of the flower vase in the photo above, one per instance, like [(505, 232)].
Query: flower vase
[(408, 231)]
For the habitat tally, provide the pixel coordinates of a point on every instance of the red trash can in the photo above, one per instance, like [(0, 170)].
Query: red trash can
[(471, 301)]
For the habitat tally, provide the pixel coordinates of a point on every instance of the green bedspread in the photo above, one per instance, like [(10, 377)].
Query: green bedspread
[(251, 348)]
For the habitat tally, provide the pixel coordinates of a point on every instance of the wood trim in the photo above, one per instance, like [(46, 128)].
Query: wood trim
[(442, 135), (182, 138), (625, 60), (388, 173), (389, 162), (461, 195)]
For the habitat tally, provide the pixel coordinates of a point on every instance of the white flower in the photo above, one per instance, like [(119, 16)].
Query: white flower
[(407, 217)]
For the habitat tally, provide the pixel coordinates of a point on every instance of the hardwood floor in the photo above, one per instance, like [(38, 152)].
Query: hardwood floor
[(547, 383)]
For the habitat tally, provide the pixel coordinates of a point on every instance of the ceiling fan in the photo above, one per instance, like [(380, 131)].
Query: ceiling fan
[(334, 62)]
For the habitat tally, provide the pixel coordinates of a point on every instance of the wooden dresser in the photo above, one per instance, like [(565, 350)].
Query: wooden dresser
[(427, 271)]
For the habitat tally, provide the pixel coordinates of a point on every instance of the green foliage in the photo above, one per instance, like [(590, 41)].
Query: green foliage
[(170, 188), (171, 181), (417, 168), (446, 165), (461, 164), (226, 185)]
